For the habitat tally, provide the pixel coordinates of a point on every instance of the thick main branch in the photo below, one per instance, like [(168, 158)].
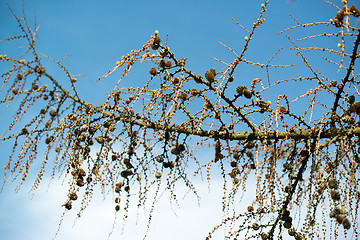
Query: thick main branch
[(297, 134)]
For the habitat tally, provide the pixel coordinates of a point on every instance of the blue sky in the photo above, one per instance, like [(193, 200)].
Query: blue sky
[(97, 34)]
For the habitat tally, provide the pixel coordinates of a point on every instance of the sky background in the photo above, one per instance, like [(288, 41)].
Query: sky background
[(97, 34)]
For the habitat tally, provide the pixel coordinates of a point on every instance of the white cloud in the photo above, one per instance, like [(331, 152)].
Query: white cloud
[(38, 218)]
